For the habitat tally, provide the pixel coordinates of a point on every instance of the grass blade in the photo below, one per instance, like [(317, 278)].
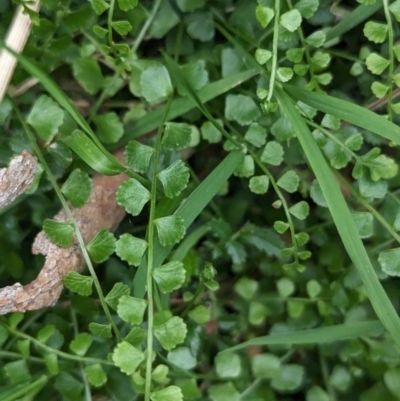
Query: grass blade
[(351, 20), (54, 90), (318, 335), (347, 111), (189, 210), (182, 105), (84, 147), (342, 218)]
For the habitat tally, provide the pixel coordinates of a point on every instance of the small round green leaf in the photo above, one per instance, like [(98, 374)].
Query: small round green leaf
[(395, 9), (265, 366), (227, 365), (101, 246), (116, 293), (46, 117), (284, 74), (88, 73), (341, 378), (109, 127), (246, 288), (382, 167), (100, 32), (133, 196), (81, 343), (200, 314), (242, 109), (316, 393), (295, 55), (121, 27), (289, 181), (77, 188), (290, 378), (196, 74), (174, 178), (300, 210), (156, 83), (316, 194), (78, 283), (364, 223), (131, 309), (126, 5), (169, 277), (224, 392), (127, 357), (257, 313), (95, 375), (99, 6), (376, 63), (170, 229), (101, 330), (171, 333), (58, 232), (137, 156), (272, 153), (307, 8), (313, 288), (302, 238), (392, 380), (379, 89), (190, 5), (131, 249), (316, 39), (264, 15), (170, 393), (256, 135), (375, 32), (245, 168), (182, 357), (200, 25), (280, 226), (291, 20), (285, 287), (177, 136), (259, 184), (390, 261), (262, 56), (210, 133)]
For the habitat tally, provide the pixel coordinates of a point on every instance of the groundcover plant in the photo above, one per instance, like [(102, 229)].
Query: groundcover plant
[(210, 207)]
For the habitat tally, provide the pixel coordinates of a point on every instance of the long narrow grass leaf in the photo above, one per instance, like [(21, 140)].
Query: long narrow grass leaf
[(189, 210), (318, 335), (84, 147), (351, 20), (347, 111), (343, 219), (182, 105), (54, 90)]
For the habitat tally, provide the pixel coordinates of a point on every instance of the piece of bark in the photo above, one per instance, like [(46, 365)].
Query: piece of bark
[(17, 177), (101, 212)]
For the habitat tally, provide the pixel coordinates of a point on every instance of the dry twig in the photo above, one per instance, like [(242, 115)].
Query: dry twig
[(101, 211), (17, 178)]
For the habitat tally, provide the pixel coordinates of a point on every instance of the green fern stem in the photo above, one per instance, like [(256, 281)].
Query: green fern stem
[(391, 57), (306, 51), (275, 38), (71, 219), (150, 255), (109, 22)]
